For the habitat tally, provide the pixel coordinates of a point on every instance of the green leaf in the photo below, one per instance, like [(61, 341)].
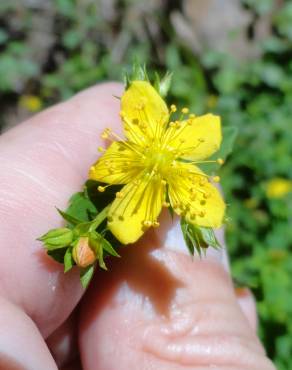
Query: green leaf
[(207, 236), (86, 275), (68, 260), (72, 220), (81, 207), (57, 238), (106, 245), (198, 237)]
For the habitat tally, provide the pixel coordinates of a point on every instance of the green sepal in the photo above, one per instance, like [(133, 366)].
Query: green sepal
[(163, 86), (106, 245), (86, 275), (68, 260), (57, 238), (70, 219), (198, 238), (138, 73)]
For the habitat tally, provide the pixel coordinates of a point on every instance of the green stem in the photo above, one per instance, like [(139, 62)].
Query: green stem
[(99, 218)]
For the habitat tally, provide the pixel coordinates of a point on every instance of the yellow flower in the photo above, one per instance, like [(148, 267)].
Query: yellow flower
[(157, 165), (31, 102), (278, 187)]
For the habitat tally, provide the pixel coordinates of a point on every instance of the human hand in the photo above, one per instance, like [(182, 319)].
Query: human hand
[(155, 308)]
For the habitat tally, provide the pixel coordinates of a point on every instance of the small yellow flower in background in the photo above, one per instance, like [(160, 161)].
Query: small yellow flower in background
[(31, 103), (157, 164), (278, 187)]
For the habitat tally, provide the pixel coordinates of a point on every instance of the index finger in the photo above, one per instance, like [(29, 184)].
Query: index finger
[(43, 161)]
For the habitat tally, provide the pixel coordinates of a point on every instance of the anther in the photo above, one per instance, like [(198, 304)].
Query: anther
[(173, 108), (172, 124), (121, 218), (192, 115), (185, 110), (119, 194), (122, 114), (156, 224), (101, 189), (202, 214), (165, 204), (147, 223), (220, 161), (100, 149), (216, 178)]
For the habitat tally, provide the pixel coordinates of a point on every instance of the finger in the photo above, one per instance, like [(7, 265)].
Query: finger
[(42, 162), (63, 342), (247, 304), (158, 308), (21, 345)]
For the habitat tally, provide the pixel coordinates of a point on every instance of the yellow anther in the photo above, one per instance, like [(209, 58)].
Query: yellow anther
[(207, 195), (220, 161), (172, 124), (100, 149), (156, 224), (185, 110), (189, 122), (173, 108), (101, 189), (147, 223), (119, 194), (216, 178), (202, 214), (163, 182), (122, 114), (192, 115), (104, 135), (165, 204), (121, 218)]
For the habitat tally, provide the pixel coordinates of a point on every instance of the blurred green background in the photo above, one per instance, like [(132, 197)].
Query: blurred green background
[(232, 57)]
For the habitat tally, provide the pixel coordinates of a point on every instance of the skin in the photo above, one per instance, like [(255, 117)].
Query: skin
[(156, 309)]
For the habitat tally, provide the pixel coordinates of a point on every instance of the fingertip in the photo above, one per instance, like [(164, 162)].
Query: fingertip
[(247, 303)]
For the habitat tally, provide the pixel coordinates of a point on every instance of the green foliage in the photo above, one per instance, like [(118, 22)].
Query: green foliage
[(88, 45), (198, 238)]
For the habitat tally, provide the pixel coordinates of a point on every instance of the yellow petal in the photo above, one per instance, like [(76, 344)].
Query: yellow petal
[(143, 111), (118, 165), (136, 204), (197, 138), (194, 197)]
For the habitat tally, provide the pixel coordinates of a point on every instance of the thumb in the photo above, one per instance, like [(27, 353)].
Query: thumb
[(160, 309)]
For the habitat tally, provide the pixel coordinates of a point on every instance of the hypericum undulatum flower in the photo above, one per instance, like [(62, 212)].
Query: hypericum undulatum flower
[(157, 164)]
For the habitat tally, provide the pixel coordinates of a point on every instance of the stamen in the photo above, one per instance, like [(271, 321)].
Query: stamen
[(220, 161), (100, 149), (185, 110), (216, 179), (173, 108)]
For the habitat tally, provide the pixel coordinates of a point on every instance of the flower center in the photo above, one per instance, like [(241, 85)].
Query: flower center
[(158, 159)]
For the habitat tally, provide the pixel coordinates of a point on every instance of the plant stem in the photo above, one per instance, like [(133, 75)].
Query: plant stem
[(99, 218)]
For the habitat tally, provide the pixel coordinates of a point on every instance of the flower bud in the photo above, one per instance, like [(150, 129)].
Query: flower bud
[(57, 238), (82, 254)]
